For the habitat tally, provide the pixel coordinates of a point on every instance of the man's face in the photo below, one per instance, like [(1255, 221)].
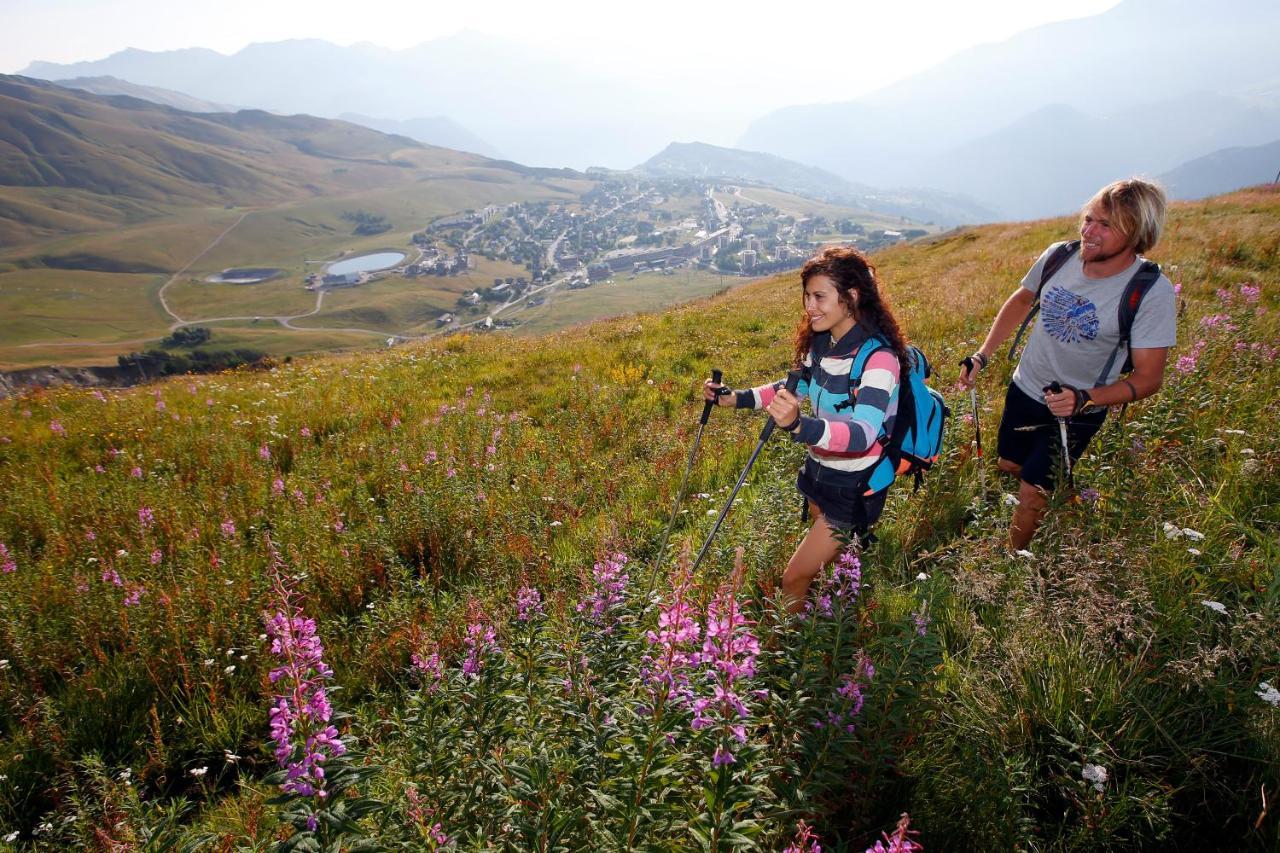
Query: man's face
[(1100, 240)]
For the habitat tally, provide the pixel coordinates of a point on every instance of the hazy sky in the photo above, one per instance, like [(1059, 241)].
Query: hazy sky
[(822, 50)]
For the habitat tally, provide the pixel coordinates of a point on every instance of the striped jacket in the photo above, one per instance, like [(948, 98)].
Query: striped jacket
[(852, 416)]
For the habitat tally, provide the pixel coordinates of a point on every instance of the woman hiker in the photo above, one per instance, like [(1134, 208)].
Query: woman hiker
[(847, 475)]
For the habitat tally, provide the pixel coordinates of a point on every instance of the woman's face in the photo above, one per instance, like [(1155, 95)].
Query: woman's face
[(823, 306)]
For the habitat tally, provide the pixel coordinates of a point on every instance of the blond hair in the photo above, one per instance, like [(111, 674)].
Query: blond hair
[(1136, 208)]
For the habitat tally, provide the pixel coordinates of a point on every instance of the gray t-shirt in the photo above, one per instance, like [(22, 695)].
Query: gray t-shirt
[(1078, 325)]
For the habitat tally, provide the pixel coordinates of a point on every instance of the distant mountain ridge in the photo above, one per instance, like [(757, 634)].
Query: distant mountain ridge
[(434, 130), (1224, 170), (1147, 84), (119, 152), (155, 94), (528, 104), (698, 159)]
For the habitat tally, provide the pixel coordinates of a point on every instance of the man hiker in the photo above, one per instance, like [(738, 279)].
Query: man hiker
[(1088, 293)]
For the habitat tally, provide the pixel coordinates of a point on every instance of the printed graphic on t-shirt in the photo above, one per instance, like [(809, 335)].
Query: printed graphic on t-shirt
[(1069, 318)]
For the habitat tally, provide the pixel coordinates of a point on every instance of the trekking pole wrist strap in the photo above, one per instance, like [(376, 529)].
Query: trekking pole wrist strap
[(981, 359), (791, 427)]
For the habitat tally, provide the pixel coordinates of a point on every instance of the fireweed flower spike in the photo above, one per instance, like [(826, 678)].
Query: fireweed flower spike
[(300, 712), (610, 583)]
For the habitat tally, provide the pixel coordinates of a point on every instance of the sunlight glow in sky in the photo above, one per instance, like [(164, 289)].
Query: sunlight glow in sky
[(817, 50)]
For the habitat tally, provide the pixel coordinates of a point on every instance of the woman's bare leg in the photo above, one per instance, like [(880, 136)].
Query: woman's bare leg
[(818, 548)]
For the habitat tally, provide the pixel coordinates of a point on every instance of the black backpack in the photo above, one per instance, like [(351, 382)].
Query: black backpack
[(1136, 288)]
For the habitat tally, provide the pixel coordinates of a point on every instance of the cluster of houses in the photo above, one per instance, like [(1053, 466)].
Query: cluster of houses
[(435, 262)]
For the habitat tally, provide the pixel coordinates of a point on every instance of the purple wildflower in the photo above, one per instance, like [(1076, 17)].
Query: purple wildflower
[(1250, 292), (156, 557), (264, 453), (481, 638), (7, 564), (921, 618), (806, 840), (901, 840), (610, 584), (528, 604), (135, 595), (1090, 495), (277, 487), (675, 647), (146, 517), (301, 711), (722, 757), (56, 427), (228, 528), (136, 473), (89, 535), (110, 575), (431, 666)]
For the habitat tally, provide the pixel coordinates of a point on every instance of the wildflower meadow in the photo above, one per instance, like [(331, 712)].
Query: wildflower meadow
[(412, 600)]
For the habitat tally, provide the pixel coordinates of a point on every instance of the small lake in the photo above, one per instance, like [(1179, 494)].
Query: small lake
[(366, 263)]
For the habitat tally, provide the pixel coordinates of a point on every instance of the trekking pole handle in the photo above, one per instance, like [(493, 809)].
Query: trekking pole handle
[(716, 376), (1053, 387), (793, 382)]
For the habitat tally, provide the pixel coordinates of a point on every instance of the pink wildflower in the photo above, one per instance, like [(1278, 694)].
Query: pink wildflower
[(607, 594), (806, 840), (134, 596), (528, 604), (305, 432), (901, 840), (7, 564), (264, 453), (156, 557), (136, 473), (480, 639), (1250, 293), (146, 517), (300, 714), (56, 427), (432, 666), (277, 487), (90, 536), (228, 528)]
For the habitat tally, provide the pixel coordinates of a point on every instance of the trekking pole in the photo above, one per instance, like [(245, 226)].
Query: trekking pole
[(1055, 388), (793, 382), (968, 362), (716, 377)]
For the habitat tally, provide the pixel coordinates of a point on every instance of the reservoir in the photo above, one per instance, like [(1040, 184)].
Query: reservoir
[(366, 263)]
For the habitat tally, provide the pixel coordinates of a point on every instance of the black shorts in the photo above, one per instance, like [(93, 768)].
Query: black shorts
[(1029, 436), (844, 507)]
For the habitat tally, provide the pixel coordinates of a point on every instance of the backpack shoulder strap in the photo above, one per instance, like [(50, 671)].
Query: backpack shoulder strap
[(1052, 264), (1134, 292)]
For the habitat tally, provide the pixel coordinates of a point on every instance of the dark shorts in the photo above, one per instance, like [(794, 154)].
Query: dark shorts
[(1029, 436), (844, 507)]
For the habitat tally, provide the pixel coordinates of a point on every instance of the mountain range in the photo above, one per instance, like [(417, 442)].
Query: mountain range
[(1034, 124), (700, 160), (71, 161)]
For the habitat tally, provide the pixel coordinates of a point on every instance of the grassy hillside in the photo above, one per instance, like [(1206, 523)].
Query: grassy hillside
[(451, 517)]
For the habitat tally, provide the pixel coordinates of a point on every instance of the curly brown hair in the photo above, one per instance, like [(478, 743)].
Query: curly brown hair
[(851, 273)]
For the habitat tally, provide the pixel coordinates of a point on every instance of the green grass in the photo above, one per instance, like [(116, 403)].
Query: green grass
[(627, 294), (67, 306), (401, 527)]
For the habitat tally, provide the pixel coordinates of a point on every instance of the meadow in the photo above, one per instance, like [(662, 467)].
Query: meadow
[(412, 599)]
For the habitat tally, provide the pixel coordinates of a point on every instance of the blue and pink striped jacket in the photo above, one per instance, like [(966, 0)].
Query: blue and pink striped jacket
[(851, 416)]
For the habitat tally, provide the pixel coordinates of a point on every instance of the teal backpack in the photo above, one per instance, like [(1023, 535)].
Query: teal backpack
[(918, 429)]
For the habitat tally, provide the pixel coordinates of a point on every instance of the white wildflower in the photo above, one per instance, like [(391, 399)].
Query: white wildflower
[(1195, 552), (557, 523), (1172, 531), (10, 838), (4, 663), (209, 661), (1097, 774), (1010, 500), (1023, 552), (230, 669), (198, 771), (1269, 694), (1215, 606), (1193, 535), (922, 577), (711, 512)]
